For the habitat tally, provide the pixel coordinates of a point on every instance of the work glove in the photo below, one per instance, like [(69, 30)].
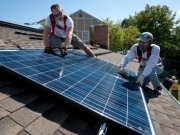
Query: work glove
[(64, 51), (140, 80), (121, 70)]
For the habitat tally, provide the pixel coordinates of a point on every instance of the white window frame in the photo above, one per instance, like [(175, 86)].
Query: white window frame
[(83, 36)]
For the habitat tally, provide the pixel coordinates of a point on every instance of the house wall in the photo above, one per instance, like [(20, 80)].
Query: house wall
[(99, 35), (82, 23)]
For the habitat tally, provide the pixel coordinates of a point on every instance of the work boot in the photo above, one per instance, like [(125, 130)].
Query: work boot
[(157, 90), (49, 50)]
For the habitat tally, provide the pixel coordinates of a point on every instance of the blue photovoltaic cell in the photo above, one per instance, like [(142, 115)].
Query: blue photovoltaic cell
[(87, 81), (4, 59)]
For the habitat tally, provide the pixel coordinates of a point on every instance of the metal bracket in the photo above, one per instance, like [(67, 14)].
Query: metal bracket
[(103, 129)]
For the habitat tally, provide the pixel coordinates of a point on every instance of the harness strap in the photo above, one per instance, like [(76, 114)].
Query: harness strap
[(149, 52), (53, 23), (139, 53)]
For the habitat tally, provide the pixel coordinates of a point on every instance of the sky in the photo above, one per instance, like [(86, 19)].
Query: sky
[(30, 11)]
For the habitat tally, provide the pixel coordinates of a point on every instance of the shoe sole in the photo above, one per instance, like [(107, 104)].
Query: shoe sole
[(158, 93)]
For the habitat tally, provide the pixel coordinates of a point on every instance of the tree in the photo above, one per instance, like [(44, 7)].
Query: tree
[(121, 39), (115, 35), (155, 19), (130, 36), (160, 21)]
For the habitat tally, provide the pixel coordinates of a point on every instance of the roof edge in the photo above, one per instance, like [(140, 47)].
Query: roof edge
[(12, 25)]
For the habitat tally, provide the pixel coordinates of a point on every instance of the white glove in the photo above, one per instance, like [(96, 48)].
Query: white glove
[(140, 80), (121, 70)]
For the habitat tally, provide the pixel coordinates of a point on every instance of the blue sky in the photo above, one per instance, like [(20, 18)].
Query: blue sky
[(29, 11)]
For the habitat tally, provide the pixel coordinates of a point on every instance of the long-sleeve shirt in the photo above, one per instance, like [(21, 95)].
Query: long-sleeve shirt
[(148, 63)]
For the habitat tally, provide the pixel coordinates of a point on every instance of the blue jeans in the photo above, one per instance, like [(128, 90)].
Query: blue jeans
[(153, 76)]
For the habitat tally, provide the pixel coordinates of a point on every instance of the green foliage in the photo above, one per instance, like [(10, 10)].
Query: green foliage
[(130, 36), (121, 39), (170, 51), (107, 21), (175, 37), (42, 23), (158, 20), (115, 37)]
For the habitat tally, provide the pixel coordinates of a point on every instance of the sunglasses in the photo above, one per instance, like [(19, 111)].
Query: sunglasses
[(141, 42), (59, 14)]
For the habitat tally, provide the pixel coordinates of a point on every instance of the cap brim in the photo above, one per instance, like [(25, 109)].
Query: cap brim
[(143, 39)]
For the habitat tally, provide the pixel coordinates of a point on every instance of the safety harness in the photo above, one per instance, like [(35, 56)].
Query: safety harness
[(53, 23), (139, 53)]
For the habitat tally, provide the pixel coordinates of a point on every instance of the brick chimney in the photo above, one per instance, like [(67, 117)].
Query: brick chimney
[(99, 35)]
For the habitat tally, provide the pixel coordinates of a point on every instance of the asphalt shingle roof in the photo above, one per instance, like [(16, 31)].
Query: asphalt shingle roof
[(24, 109)]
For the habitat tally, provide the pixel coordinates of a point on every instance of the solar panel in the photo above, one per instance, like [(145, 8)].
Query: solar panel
[(90, 82)]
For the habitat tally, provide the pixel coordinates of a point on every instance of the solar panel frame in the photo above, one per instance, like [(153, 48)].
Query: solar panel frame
[(83, 84)]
